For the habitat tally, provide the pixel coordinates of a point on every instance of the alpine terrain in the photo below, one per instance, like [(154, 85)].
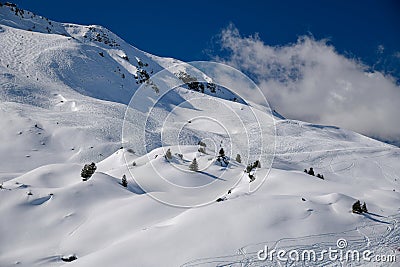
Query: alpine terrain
[(190, 169)]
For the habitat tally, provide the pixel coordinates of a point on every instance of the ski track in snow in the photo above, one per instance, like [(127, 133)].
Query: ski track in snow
[(386, 242)]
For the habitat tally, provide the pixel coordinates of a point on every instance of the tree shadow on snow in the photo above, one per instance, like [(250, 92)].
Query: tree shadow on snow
[(212, 176), (368, 215)]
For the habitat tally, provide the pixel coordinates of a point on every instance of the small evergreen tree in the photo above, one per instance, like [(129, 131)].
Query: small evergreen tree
[(357, 207), (168, 154), (124, 182), (88, 170), (311, 171), (194, 166), (238, 158), (364, 208), (305, 170), (221, 152)]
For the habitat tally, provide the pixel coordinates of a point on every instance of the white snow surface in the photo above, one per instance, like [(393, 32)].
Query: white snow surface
[(64, 90)]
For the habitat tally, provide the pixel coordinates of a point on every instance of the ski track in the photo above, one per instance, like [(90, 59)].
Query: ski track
[(367, 235), (381, 243)]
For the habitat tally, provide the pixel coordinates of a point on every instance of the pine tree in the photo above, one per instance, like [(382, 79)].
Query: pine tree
[(238, 158), (124, 182), (364, 207), (168, 154), (88, 170), (357, 207), (221, 152), (194, 166), (311, 172)]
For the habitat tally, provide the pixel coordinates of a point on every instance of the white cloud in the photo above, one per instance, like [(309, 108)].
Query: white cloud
[(308, 80)]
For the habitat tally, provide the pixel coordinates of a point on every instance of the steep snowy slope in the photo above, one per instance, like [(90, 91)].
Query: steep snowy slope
[(49, 75), (65, 100), (65, 71)]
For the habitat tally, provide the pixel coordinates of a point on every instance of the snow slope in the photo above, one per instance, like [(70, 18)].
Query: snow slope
[(64, 92)]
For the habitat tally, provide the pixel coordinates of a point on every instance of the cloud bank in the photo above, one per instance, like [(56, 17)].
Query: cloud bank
[(309, 81)]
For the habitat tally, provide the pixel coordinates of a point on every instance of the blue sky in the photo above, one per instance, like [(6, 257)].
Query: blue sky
[(335, 82), (186, 29)]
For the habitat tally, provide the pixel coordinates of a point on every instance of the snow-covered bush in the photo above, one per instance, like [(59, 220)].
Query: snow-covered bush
[(88, 170), (238, 158), (194, 166), (357, 207), (364, 207), (168, 154), (124, 182)]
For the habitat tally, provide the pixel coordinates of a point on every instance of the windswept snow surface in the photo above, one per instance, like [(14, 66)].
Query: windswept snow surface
[(64, 92)]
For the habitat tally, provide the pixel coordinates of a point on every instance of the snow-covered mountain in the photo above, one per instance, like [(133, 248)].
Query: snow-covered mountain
[(65, 92)]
